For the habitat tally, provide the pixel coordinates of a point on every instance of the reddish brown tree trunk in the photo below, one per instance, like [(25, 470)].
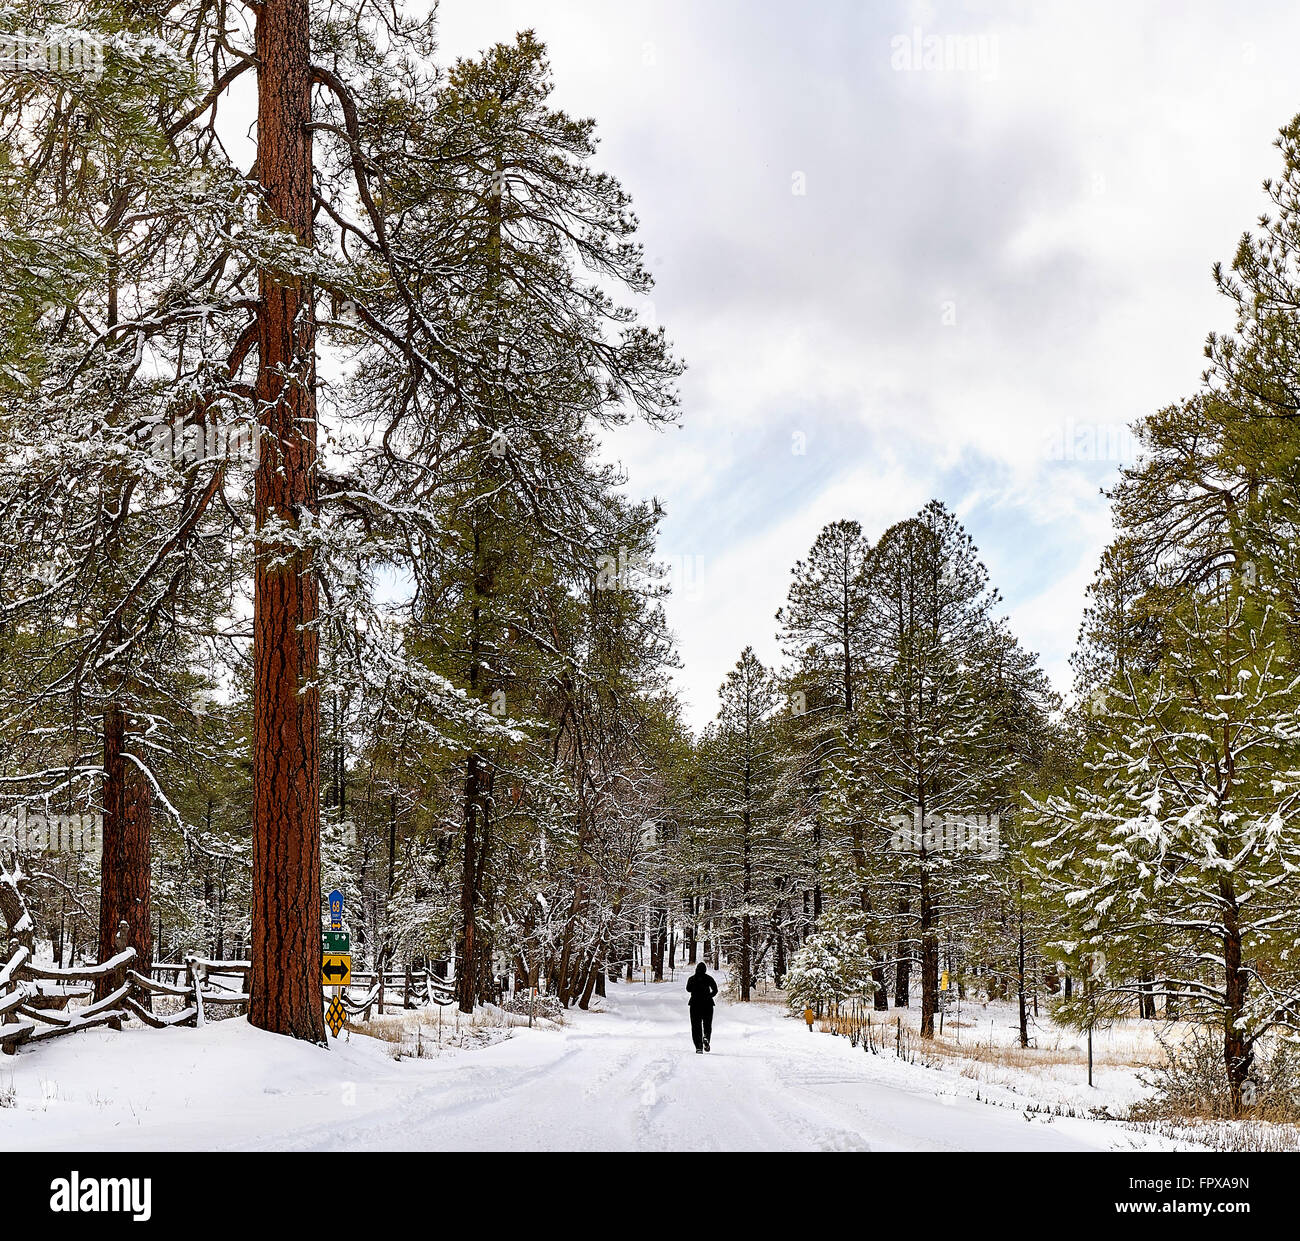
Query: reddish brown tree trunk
[(124, 863), (287, 995)]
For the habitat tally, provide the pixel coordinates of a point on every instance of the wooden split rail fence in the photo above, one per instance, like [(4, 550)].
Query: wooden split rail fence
[(403, 989), (195, 983), (34, 1000)]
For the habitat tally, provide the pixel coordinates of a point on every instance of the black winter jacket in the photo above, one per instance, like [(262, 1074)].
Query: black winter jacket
[(702, 989)]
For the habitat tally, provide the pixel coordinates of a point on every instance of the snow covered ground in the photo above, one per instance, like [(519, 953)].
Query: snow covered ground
[(982, 1042), (626, 1078)]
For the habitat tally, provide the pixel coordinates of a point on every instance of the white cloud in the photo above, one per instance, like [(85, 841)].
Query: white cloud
[(1068, 206)]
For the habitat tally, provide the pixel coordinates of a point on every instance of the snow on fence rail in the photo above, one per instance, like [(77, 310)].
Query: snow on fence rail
[(199, 991), (32, 997), (35, 1000), (416, 987), (203, 982)]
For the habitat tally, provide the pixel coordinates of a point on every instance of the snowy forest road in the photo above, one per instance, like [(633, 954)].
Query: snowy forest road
[(629, 1079), (626, 1078)]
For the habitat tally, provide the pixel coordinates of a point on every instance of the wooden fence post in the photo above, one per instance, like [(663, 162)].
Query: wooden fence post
[(195, 972)]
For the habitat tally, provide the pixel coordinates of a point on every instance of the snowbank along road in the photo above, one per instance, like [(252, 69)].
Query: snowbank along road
[(626, 1078)]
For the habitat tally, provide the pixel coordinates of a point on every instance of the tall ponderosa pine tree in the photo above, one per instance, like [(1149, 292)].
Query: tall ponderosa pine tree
[(739, 755), (533, 358), (934, 738), (1182, 846)]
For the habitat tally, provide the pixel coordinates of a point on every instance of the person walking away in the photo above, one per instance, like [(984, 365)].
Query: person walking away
[(701, 988)]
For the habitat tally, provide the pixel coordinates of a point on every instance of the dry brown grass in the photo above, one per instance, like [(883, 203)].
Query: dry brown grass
[(418, 1032), (960, 1048), (1022, 1058)]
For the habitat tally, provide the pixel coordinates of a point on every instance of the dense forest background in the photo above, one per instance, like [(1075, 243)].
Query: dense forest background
[(312, 574)]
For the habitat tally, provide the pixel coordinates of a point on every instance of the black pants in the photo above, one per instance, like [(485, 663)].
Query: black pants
[(701, 1023)]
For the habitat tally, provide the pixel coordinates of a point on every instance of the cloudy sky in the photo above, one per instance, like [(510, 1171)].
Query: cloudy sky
[(913, 250)]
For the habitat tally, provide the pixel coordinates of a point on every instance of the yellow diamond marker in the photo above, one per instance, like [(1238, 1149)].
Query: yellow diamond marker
[(335, 1016)]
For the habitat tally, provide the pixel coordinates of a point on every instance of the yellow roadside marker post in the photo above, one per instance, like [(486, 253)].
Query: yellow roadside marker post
[(336, 963)]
